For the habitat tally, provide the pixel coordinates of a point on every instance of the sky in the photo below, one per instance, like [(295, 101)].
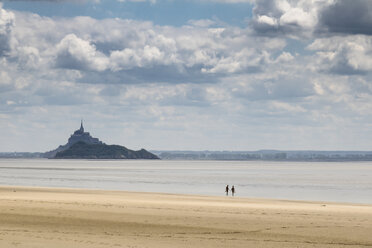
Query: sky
[(187, 74)]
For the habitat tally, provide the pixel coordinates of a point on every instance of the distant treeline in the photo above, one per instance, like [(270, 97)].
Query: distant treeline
[(21, 155), (267, 155)]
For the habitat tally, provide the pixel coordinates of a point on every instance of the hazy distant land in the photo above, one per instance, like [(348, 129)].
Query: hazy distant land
[(263, 155), (81, 145), (267, 155)]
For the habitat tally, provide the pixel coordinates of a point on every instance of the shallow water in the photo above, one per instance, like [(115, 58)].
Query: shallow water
[(328, 181)]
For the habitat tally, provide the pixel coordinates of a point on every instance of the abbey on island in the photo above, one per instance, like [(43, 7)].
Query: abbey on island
[(80, 135), (81, 145)]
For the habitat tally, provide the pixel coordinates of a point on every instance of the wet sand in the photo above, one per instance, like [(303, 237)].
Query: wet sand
[(45, 217)]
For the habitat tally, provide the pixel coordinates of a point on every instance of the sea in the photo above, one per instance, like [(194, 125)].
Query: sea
[(347, 182)]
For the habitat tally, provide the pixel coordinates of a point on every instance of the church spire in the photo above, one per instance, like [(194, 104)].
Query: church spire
[(81, 126)]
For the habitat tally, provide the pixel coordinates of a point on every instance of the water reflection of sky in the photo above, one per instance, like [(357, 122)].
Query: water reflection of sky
[(340, 182)]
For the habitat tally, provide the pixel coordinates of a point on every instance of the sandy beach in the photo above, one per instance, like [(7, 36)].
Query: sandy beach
[(45, 217)]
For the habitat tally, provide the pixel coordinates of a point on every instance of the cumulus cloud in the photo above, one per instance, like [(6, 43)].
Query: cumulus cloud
[(286, 17), (343, 55), (341, 30), (138, 51), (5, 82), (213, 1), (127, 51), (226, 1), (284, 57), (56, 1), (28, 58), (75, 53), (202, 23), (137, 1), (6, 26), (282, 87), (129, 58), (307, 18), (349, 17)]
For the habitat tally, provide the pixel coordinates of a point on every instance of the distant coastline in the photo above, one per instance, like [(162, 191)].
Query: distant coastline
[(260, 155), (267, 155)]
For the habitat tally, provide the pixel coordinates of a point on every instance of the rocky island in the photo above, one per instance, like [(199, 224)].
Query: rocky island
[(81, 145)]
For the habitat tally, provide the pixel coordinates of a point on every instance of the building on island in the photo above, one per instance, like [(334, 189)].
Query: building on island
[(77, 136), (80, 135)]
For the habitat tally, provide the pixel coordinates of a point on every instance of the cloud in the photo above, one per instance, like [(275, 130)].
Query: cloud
[(198, 1), (6, 26), (286, 17), (280, 87), (348, 17), (137, 1), (56, 1), (305, 19), (201, 81), (127, 51), (225, 1), (5, 82), (28, 58), (202, 23), (129, 58), (78, 54), (343, 55)]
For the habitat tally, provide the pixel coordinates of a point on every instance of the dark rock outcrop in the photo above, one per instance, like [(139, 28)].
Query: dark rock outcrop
[(82, 150)]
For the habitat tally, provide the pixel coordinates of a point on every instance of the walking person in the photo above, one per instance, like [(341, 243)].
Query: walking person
[(233, 190), (227, 190)]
